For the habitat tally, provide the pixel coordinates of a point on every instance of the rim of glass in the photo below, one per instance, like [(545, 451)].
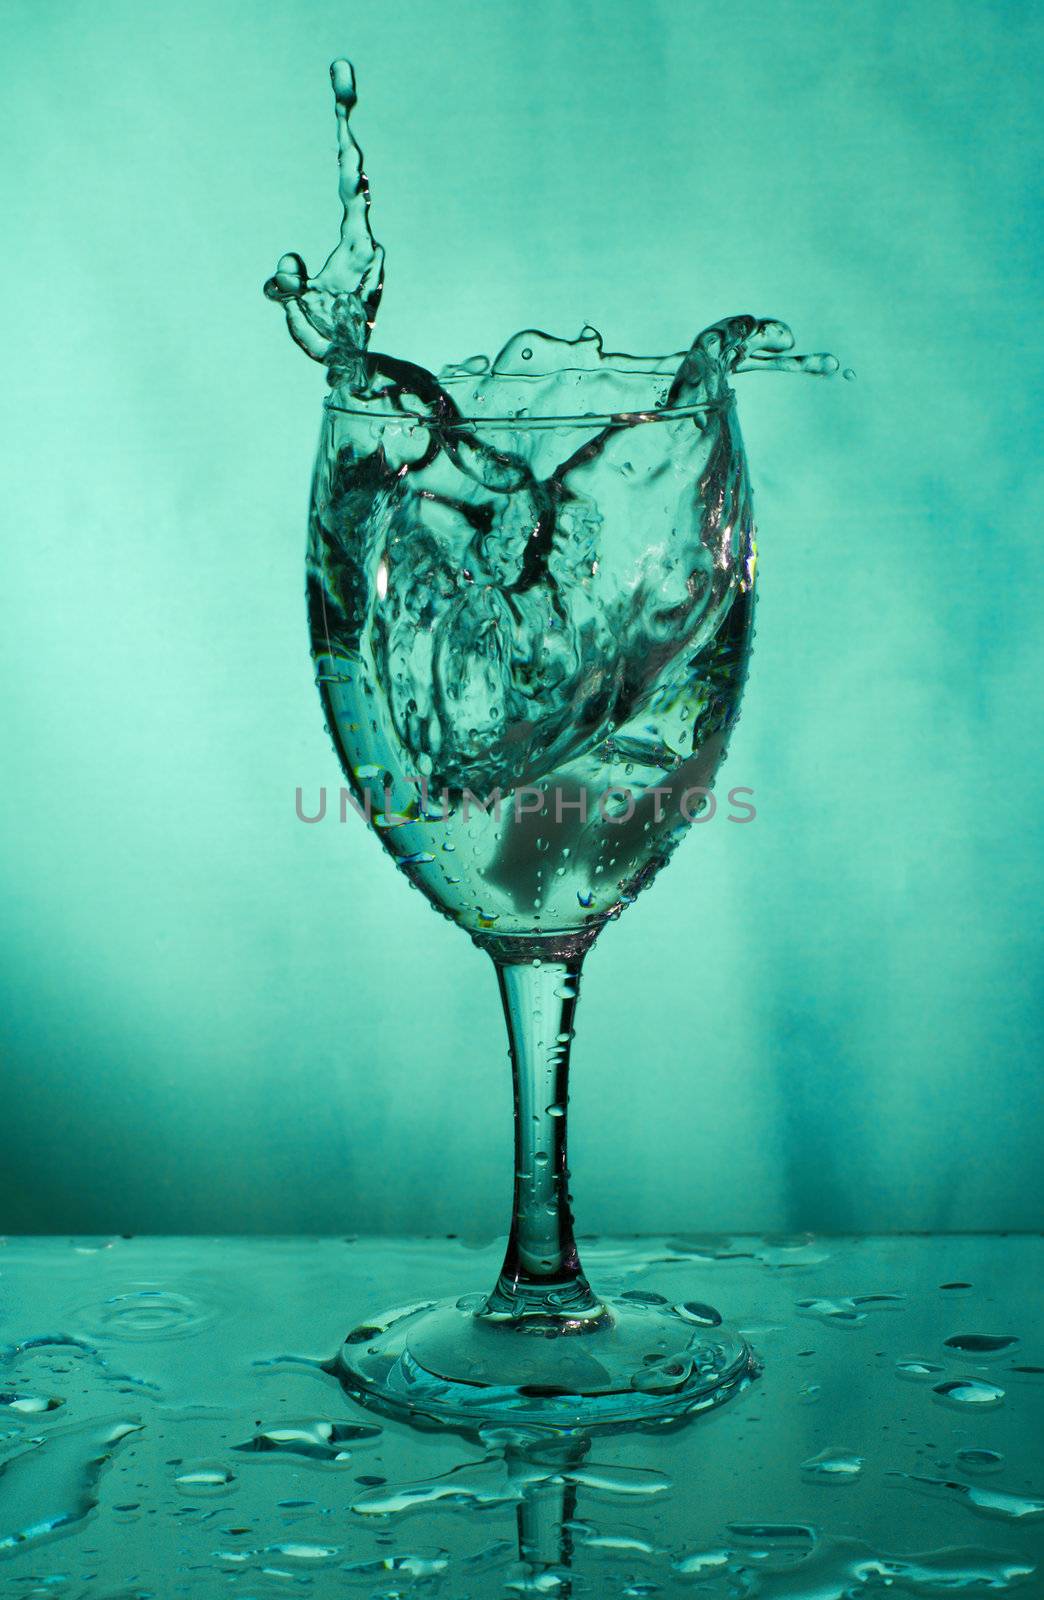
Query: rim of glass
[(585, 419)]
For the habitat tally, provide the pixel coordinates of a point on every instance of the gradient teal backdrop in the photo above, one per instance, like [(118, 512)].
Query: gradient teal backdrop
[(219, 1019)]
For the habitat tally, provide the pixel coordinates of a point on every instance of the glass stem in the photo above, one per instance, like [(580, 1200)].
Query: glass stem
[(541, 1274)]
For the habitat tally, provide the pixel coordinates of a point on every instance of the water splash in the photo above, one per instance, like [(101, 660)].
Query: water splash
[(331, 317), (492, 609)]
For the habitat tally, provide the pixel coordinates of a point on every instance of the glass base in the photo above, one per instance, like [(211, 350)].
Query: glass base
[(637, 1359)]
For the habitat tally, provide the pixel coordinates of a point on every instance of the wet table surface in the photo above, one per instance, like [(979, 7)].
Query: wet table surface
[(167, 1428)]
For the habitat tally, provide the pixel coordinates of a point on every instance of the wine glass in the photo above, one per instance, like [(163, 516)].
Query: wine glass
[(531, 633), (530, 591)]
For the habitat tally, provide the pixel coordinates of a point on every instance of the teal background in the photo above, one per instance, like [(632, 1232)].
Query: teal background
[(219, 1019)]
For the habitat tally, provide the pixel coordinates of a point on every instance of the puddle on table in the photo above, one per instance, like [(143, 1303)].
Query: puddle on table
[(167, 1428)]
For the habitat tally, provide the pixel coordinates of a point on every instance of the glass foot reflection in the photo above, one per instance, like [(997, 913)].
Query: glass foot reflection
[(635, 1358)]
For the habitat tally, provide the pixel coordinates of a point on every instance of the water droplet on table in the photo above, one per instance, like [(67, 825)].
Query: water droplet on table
[(832, 1466), (986, 1344), (969, 1392)]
